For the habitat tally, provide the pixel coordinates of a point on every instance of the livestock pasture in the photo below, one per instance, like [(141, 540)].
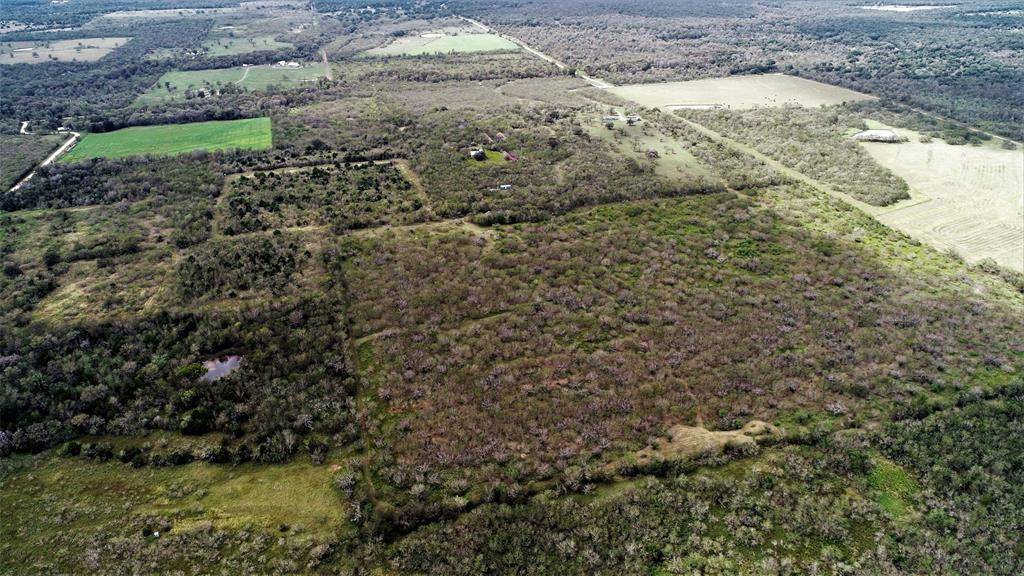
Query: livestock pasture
[(169, 139), (760, 90), (78, 50), (178, 85), (432, 43), (975, 194)]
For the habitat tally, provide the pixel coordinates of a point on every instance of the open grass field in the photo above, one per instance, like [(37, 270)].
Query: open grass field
[(443, 44), (226, 46), (248, 77), (112, 500), (22, 152), (975, 197), (738, 92), (169, 139), (79, 50)]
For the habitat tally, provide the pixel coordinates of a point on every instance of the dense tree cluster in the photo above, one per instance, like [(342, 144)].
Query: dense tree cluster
[(340, 196)]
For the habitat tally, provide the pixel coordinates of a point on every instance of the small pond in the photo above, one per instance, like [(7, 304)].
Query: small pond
[(220, 367)]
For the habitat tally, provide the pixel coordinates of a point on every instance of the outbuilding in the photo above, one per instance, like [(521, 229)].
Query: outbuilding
[(878, 135)]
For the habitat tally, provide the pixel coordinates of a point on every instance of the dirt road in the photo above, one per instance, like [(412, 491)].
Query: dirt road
[(595, 82), (49, 159)]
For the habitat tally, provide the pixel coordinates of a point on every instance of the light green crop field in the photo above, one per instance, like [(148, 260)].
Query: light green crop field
[(969, 199), (741, 92), (443, 44), (226, 46), (250, 78), (169, 139), (79, 49)]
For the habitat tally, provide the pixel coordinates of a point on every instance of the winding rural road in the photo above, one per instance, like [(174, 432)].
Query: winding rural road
[(595, 82), (49, 159)]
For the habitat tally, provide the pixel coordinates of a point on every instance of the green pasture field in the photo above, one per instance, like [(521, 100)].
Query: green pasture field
[(226, 46), (248, 77), (169, 139), (430, 44), (79, 50), (112, 500)]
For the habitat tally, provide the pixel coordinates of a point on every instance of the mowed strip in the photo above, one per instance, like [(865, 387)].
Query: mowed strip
[(170, 139), (429, 44), (175, 85)]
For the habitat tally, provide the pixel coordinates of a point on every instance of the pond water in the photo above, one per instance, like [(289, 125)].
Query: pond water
[(220, 367)]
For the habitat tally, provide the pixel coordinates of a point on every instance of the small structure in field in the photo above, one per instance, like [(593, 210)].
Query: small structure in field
[(478, 154), (612, 118), (878, 135), (287, 64), (505, 187), (633, 119)]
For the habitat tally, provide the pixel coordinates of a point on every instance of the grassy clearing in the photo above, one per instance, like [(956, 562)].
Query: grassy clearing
[(893, 487), (976, 193), (79, 50), (772, 90), (636, 141), (226, 46), (169, 139), (177, 85), (76, 501), (446, 44)]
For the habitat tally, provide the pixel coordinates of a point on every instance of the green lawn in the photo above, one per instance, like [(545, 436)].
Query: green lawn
[(169, 139), (250, 78), (419, 45), (226, 46)]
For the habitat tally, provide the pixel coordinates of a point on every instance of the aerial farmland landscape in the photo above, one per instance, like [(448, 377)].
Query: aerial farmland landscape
[(389, 287)]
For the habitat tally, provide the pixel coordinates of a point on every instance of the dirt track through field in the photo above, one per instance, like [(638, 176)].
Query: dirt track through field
[(49, 159), (595, 82)]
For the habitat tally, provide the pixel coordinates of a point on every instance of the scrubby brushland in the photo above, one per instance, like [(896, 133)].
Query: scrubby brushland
[(815, 142), (471, 313), (958, 61)]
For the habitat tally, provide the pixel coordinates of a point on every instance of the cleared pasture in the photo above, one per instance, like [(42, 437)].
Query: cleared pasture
[(672, 161), (177, 85), (772, 90), (79, 49), (435, 43), (975, 197), (169, 139), (226, 46)]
